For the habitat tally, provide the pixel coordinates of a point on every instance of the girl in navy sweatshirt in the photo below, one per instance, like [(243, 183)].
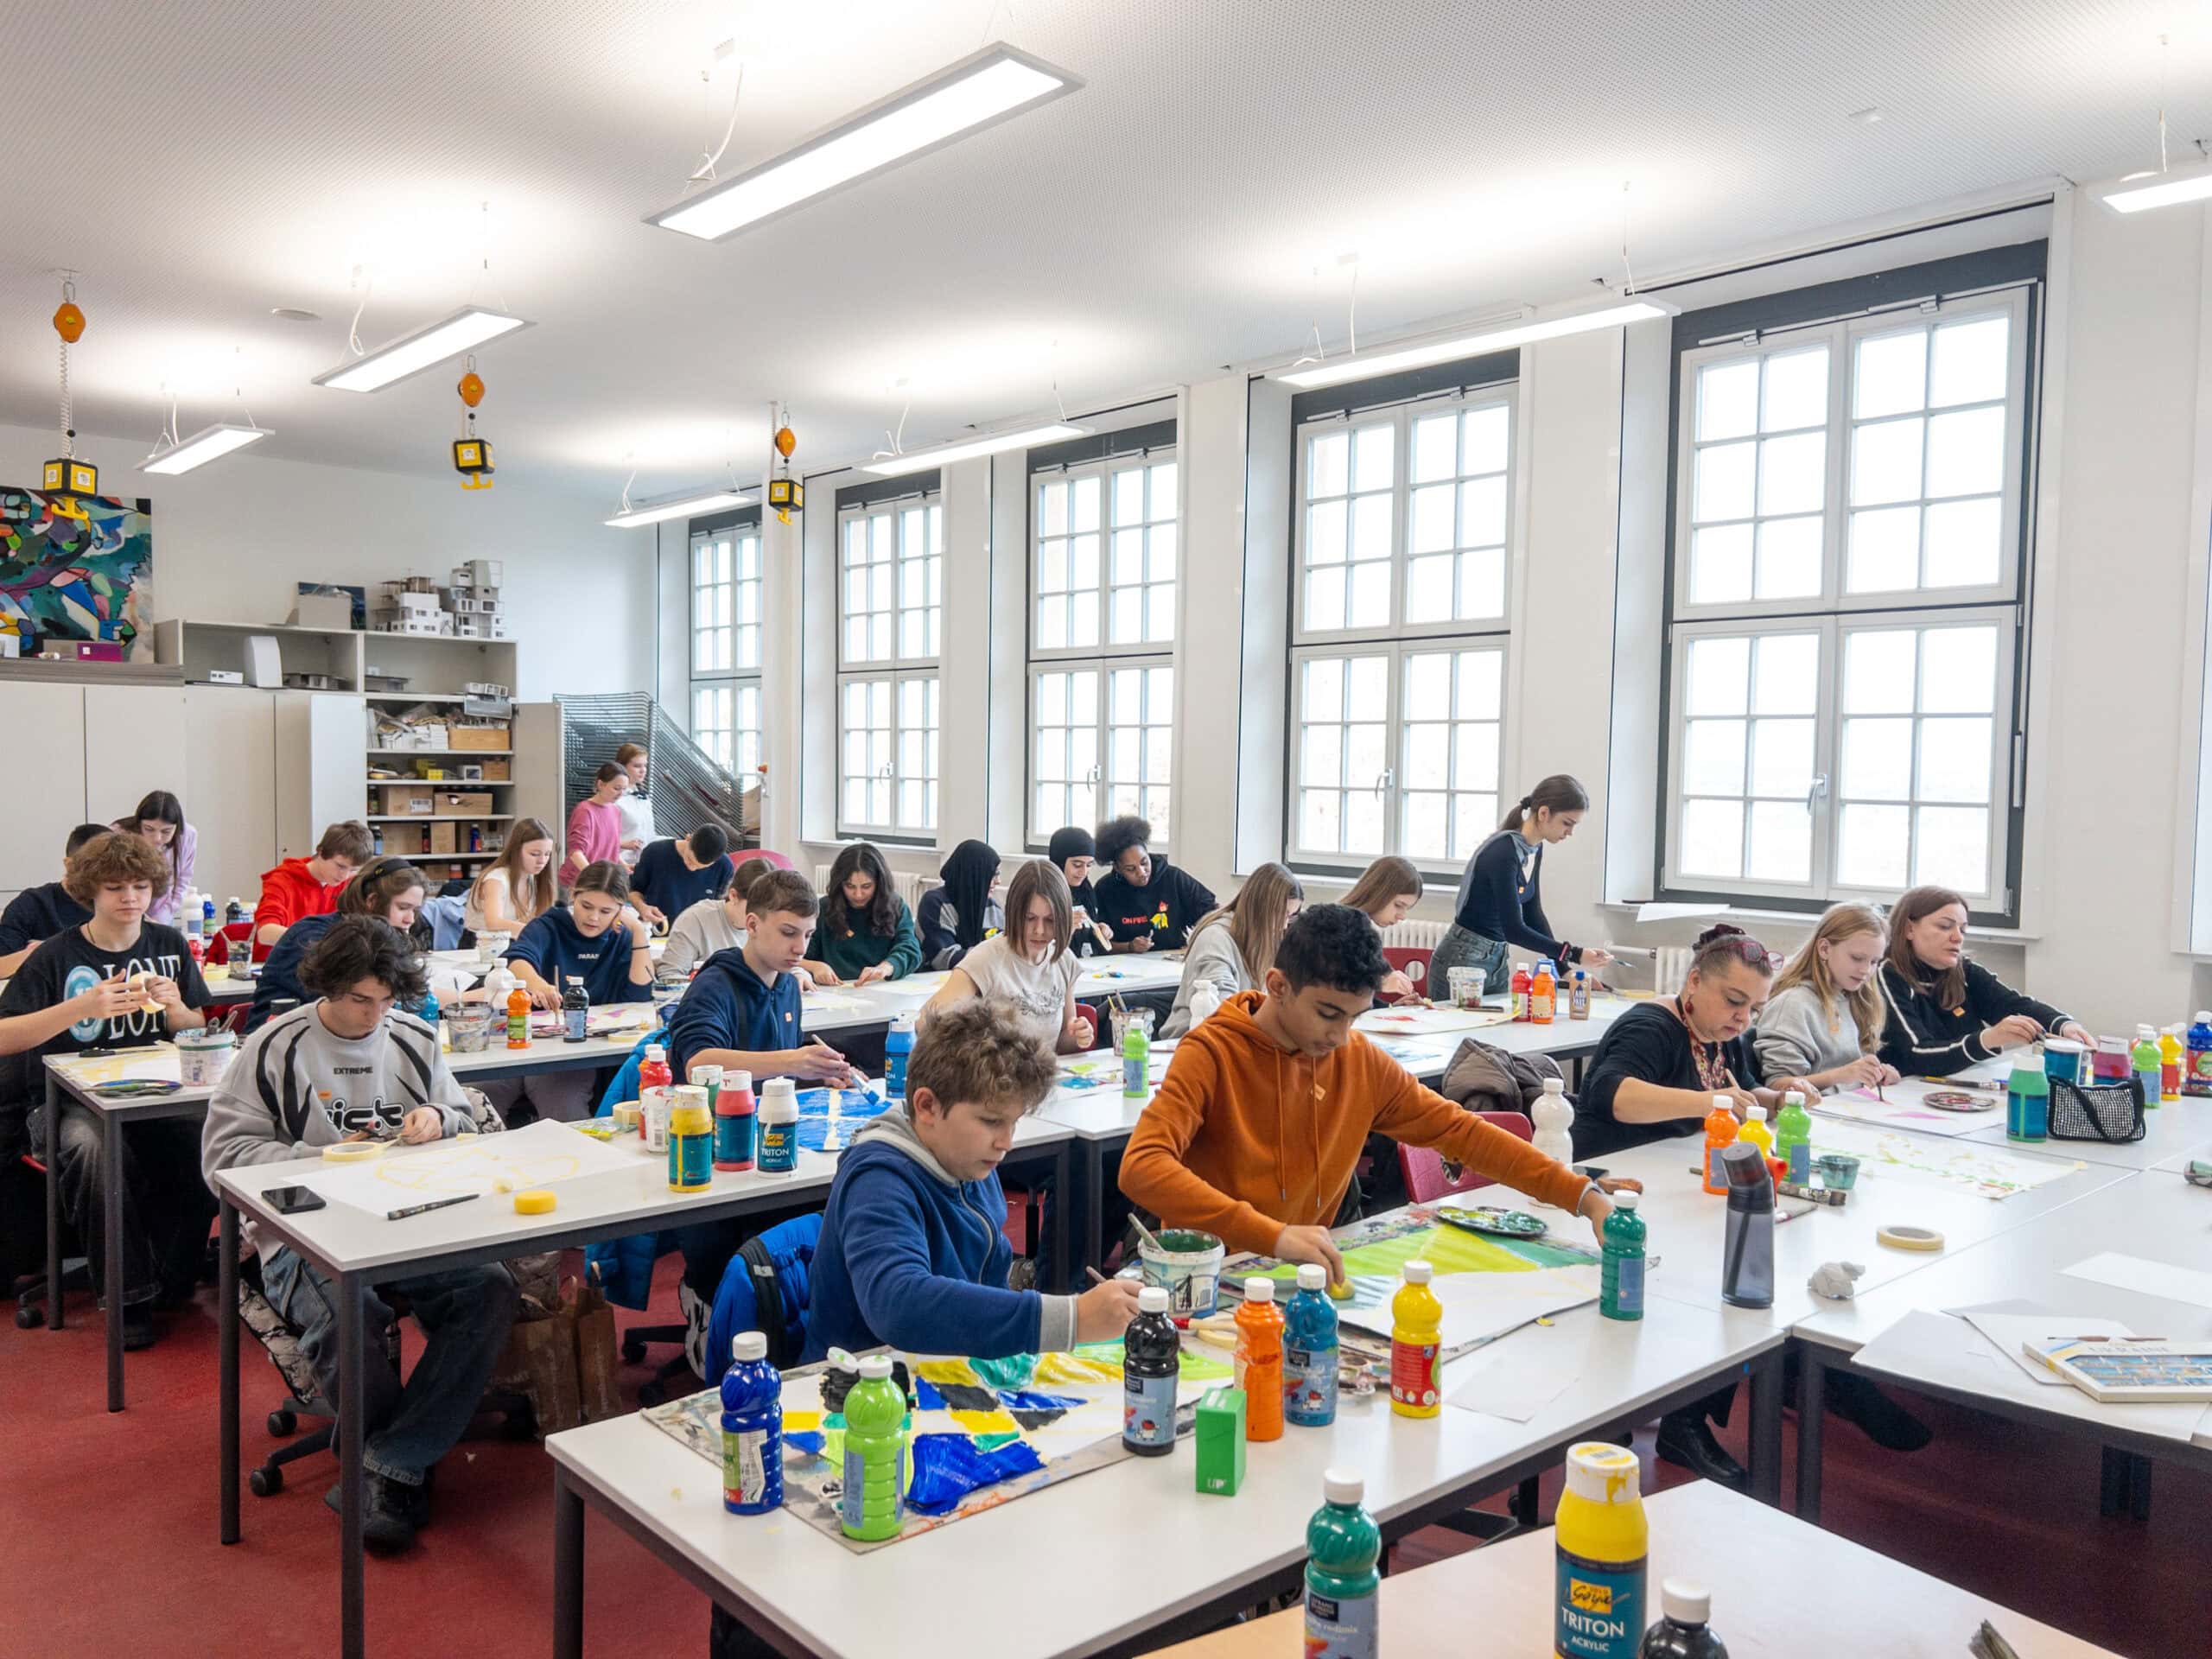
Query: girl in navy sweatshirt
[(1501, 900)]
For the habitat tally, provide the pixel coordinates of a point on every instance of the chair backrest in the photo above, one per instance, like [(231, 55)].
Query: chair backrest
[(1427, 1178), (776, 858), (1413, 962)]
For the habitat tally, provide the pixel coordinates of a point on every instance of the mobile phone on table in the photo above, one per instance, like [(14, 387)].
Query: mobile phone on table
[(291, 1200)]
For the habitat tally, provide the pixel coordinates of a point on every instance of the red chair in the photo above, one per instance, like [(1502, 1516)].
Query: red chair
[(1413, 964), (1426, 1180), (776, 858)]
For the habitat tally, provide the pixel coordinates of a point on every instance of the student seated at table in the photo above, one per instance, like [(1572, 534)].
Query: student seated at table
[(1028, 971), (1946, 1012), (867, 932), (41, 911), (115, 981), (1232, 950), (1144, 903), (742, 1010), (1260, 1119), (1073, 851), (712, 925), (587, 938), (351, 1066), (160, 819), (903, 1259), (388, 888), (1387, 891), (963, 910), (299, 887), (1823, 1023), (673, 876), (518, 888)]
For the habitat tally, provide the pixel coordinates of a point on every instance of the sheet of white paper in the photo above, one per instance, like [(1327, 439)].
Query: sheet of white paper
[(1528, 1374), (2005, 1332), (1479, 1305), (2175, 1284), (543, 1154), (1660, 911)]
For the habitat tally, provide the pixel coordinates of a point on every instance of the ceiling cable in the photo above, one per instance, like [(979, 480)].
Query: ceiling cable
[(705, 172), (1625, 265)]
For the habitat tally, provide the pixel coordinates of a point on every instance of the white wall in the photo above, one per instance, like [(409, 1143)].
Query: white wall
[(232, 539)]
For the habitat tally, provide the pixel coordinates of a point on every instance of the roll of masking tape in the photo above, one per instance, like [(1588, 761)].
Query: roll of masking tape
[(352, 1152), (1910, 1238), (535, 1203)]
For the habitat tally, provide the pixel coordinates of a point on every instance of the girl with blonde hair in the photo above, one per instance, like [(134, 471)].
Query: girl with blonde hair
[(1232, 950), (1824, 1022)]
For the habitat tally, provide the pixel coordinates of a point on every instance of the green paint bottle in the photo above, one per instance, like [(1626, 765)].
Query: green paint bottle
[(1341, 1545), (1620, 1273), (873, 1505)]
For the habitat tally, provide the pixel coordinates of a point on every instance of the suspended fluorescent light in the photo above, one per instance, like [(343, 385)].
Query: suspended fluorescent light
[(920, 460), (974, 93), (2138, 192), (425, 348), (679, 507), (209, 443), (1501, 337)]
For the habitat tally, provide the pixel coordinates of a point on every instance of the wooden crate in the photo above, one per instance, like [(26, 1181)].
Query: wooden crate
[(479, 737)]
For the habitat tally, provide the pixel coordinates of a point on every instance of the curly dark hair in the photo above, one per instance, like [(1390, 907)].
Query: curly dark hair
[(110, 859), (1333, 945), (861, 858), (1115, 838), (978, 1051), (363, 947)]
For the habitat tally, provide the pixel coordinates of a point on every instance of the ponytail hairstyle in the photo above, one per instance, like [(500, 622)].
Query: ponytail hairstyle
[(376, 885), (861, 858), (1808, 967), (1558, 793), (1949, 988), (1724, 942), (1255, 917)]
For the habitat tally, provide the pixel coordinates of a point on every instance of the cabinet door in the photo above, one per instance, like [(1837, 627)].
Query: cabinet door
[(230, 765), (45, 720), (134, 743)]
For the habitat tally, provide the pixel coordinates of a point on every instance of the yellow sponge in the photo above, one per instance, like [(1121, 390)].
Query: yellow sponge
[(534, 1203)]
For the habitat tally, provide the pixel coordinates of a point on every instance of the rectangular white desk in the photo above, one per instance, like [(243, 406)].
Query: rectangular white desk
[(873, 1008)]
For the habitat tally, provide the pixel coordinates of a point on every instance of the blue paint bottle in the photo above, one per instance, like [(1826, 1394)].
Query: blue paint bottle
[(1310, 1352), (753, 1428)]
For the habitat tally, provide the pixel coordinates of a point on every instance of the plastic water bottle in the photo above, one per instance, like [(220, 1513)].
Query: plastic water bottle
[(1341, 1545), (1136, 1065), (1554, 1121), (873, 1505), (1310, 1352), (1620, 1275), (753, 1428), (1151, 1362), (898, 1044), (576, 1011)]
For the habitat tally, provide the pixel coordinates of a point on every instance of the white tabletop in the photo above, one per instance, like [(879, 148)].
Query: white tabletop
[(1151, 1546), (862, 1008), (2174, 1131)]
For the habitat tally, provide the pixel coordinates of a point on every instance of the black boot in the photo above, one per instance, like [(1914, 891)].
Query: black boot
[(387, 1520), (1686, 1440)]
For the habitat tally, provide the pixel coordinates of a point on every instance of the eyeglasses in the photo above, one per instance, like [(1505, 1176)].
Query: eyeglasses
[(1747, 950)]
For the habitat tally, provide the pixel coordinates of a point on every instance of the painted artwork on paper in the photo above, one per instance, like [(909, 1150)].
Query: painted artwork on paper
[(76, 567)]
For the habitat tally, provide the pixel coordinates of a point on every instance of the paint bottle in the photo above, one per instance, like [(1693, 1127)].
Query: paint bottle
[(518, 1018), (1309, 1352), (576, 1010), (1720, 1135), (1577, 995), (1543, 995), (1342, 1545), (2149, 1068), (778, 1127), (2027, 1099), (873, 1506), (1620, 1273), (654, 1081), (1553, 1119), (1136, 1062), (1682, 1633), (690, 1141), (1519, 984), (735, 1122), (2113, 1061), (898, 1044), (2197, 1077), (1152, 1359), (1259, 1360), (753, 1428), (1416, 1340), (1756, 1131), (1793, 1137), (1603, 1540), (2170, 1054)]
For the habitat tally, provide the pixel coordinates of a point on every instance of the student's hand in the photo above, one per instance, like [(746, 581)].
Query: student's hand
[(1313, 1244), (2011, 1032), (821, 973), (819, 1063), (1137, 946), (1804, 1088), (1594, 1208), (163, 990), (2073, 1032), (631, 843), (423, 1123), (640, 935), (874, 973), (111, 999), (1395, 984), (1593, 957), (1079, 1035), (1864, 1072), (1102, 1313), (544, 996), (1741, 1098)]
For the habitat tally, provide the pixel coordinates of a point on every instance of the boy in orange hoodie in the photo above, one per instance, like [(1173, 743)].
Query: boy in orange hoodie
[(300, 887), (1256, 1128)]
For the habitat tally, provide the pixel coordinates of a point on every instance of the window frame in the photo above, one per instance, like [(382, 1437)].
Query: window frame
[(894, 510), (894, 829), (1105, 469), (741, 681), (1102, 783)]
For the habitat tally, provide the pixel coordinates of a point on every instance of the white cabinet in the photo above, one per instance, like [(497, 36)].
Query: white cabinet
[(230, 767), (320, 766), (45, 725), (134, 743)]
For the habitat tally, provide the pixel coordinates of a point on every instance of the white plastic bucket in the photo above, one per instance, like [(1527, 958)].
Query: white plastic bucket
[(201, 1056), (1188, 1268)]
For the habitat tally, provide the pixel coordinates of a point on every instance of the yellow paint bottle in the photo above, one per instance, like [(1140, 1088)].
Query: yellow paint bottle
[(1416, 1345), (1602, 1541), (690, 1141)]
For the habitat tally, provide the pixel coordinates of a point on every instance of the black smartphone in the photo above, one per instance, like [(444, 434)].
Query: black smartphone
[(291, 1200)]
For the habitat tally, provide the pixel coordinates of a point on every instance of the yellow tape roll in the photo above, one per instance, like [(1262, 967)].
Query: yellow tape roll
[(352, 1152), (1911, 1238), (535, 1203)]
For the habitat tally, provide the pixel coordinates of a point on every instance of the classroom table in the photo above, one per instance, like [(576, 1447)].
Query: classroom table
[(1772, 1578), (357, 1250), (873, 1008), (2153, 1214), (1100, 1562)]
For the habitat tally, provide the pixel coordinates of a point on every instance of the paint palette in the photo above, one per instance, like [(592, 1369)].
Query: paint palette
[(1493, 1221), (1944, 1100)]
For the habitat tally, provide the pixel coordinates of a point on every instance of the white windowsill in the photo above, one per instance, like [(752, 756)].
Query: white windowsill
[(1628, 907)]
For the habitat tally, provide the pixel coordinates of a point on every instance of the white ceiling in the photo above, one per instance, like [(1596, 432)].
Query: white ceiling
[(198, 164)]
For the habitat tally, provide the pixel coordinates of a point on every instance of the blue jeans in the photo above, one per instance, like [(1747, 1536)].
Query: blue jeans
[(407, 1428), (1461, 949)]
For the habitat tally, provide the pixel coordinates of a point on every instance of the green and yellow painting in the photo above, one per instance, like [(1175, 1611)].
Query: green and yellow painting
[(76, 567)]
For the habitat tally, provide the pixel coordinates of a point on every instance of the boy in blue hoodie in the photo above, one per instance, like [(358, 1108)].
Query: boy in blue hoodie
[(741, 1011), (913, 1249)]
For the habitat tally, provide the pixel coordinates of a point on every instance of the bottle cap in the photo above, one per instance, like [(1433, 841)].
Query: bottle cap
[(776, 1087), (748, 1345), (1344, 1485), (1793, 1098), (2203, 1017), (1259, 1290), (1626, 1199), (655, 1051), (1603, 1472), (575, 979), (1311, 1277), (738, 1080), (2142, 1032), (875, 1368), (1724, 1103), (1684, 1602), (1754, 1115), (1554, 1085), (1153, 1299), (1419, 1272)]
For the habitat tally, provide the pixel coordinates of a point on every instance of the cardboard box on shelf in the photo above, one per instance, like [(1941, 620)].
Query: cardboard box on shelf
[(499, 770), (410, 799), (332, 611), (442, 838), (457, 802), (479, 737)]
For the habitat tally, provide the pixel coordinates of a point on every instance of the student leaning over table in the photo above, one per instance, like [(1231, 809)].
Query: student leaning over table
[(1146, 903), (711, 926), (1824, 1022), (1028, 970), (117, 981), (40, 912), (520, 887), (1232, 950), (1945, 1012), (1256, 1128), (1386, 890), (388, 888), (867, 933), (351, 1066)]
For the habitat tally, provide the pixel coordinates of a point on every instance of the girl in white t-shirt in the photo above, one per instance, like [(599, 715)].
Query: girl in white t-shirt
[(520, 885), (1029, 968)]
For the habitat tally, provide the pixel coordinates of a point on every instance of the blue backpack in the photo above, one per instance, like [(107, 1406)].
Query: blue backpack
[(625, 1265), (766, 1288)]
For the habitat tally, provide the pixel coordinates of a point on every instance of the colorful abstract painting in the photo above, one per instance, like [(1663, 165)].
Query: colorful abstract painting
[(76, 567)]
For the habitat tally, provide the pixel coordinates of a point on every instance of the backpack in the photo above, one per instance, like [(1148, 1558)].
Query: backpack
[(766, 1287)]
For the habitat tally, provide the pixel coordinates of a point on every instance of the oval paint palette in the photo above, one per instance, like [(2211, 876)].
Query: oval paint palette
[(1948, 1100), (1499, 1224)]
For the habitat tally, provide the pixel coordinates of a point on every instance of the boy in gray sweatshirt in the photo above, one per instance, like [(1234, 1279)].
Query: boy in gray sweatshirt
[(351, 1066)]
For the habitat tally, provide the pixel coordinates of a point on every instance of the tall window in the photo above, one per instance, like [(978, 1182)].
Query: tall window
[(891, 618), (726, 646), (1103, 575), (1847, 555), (1398, 663)]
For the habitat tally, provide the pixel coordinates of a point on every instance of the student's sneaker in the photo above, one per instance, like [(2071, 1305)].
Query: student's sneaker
[(139, 1330), (1687, 1442), (387, 1523)]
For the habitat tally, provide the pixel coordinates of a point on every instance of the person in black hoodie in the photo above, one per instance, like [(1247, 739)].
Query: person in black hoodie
[(1944, 1013), (1076, 853), (959, 915), (1145, 904)]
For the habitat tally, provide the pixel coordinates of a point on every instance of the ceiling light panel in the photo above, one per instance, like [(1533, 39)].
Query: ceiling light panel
[(410, 354)]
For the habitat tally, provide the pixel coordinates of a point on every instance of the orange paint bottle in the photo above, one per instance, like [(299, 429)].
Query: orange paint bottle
[(1720, 1135), (1259, 1360)]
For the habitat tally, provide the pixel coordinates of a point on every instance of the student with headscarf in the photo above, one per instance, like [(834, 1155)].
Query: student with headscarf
[(1074, 853), (962, 913)]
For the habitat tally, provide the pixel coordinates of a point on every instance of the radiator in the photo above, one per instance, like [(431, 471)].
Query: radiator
[(1415, 936)]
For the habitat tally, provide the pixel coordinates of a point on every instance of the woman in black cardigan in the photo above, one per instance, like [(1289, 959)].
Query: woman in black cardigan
[(1944, 1013)]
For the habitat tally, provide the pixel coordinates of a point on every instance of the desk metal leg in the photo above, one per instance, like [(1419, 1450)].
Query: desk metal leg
[(52, 1137), (568, 1569), (1064, 1271), (111, 1194), (1812, 1419), (226, 1324), (352, 1479), (1094, 1205), (1766, 1428)]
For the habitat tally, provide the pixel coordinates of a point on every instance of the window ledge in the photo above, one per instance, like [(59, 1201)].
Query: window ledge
[(1629, 908)]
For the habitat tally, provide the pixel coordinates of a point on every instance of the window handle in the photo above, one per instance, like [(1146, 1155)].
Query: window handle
[(1820, 787), (1384, 781), (1093, 777)]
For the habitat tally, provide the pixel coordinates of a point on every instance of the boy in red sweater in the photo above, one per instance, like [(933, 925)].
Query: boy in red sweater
[(300, 887)]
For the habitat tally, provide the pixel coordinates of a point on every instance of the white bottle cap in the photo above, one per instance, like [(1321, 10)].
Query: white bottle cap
[(778, 1087), (1684, 1602), (1726, 1103), (2203, 1017), (1259, 1290), (875, 1368), (655, 1051), (1626, 1199), (1311, 1277), (1604, 1472), (1344, 1485), (1793, 1098), (1153, 1299), (1554, 1085), (2143, 1032), (1419, 1272), (748, 1345), (1755, 1114), (738, 1080)]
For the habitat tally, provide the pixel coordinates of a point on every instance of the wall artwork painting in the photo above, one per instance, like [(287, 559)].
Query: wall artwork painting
[(76, 567)]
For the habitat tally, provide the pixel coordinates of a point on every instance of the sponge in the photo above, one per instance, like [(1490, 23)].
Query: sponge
[(535, 1203)]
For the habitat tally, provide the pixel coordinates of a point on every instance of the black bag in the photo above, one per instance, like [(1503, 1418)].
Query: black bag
[(2110, 1112)]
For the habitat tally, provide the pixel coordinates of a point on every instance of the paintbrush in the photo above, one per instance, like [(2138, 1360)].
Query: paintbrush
[(1986, 1644), (1146, 1233)]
